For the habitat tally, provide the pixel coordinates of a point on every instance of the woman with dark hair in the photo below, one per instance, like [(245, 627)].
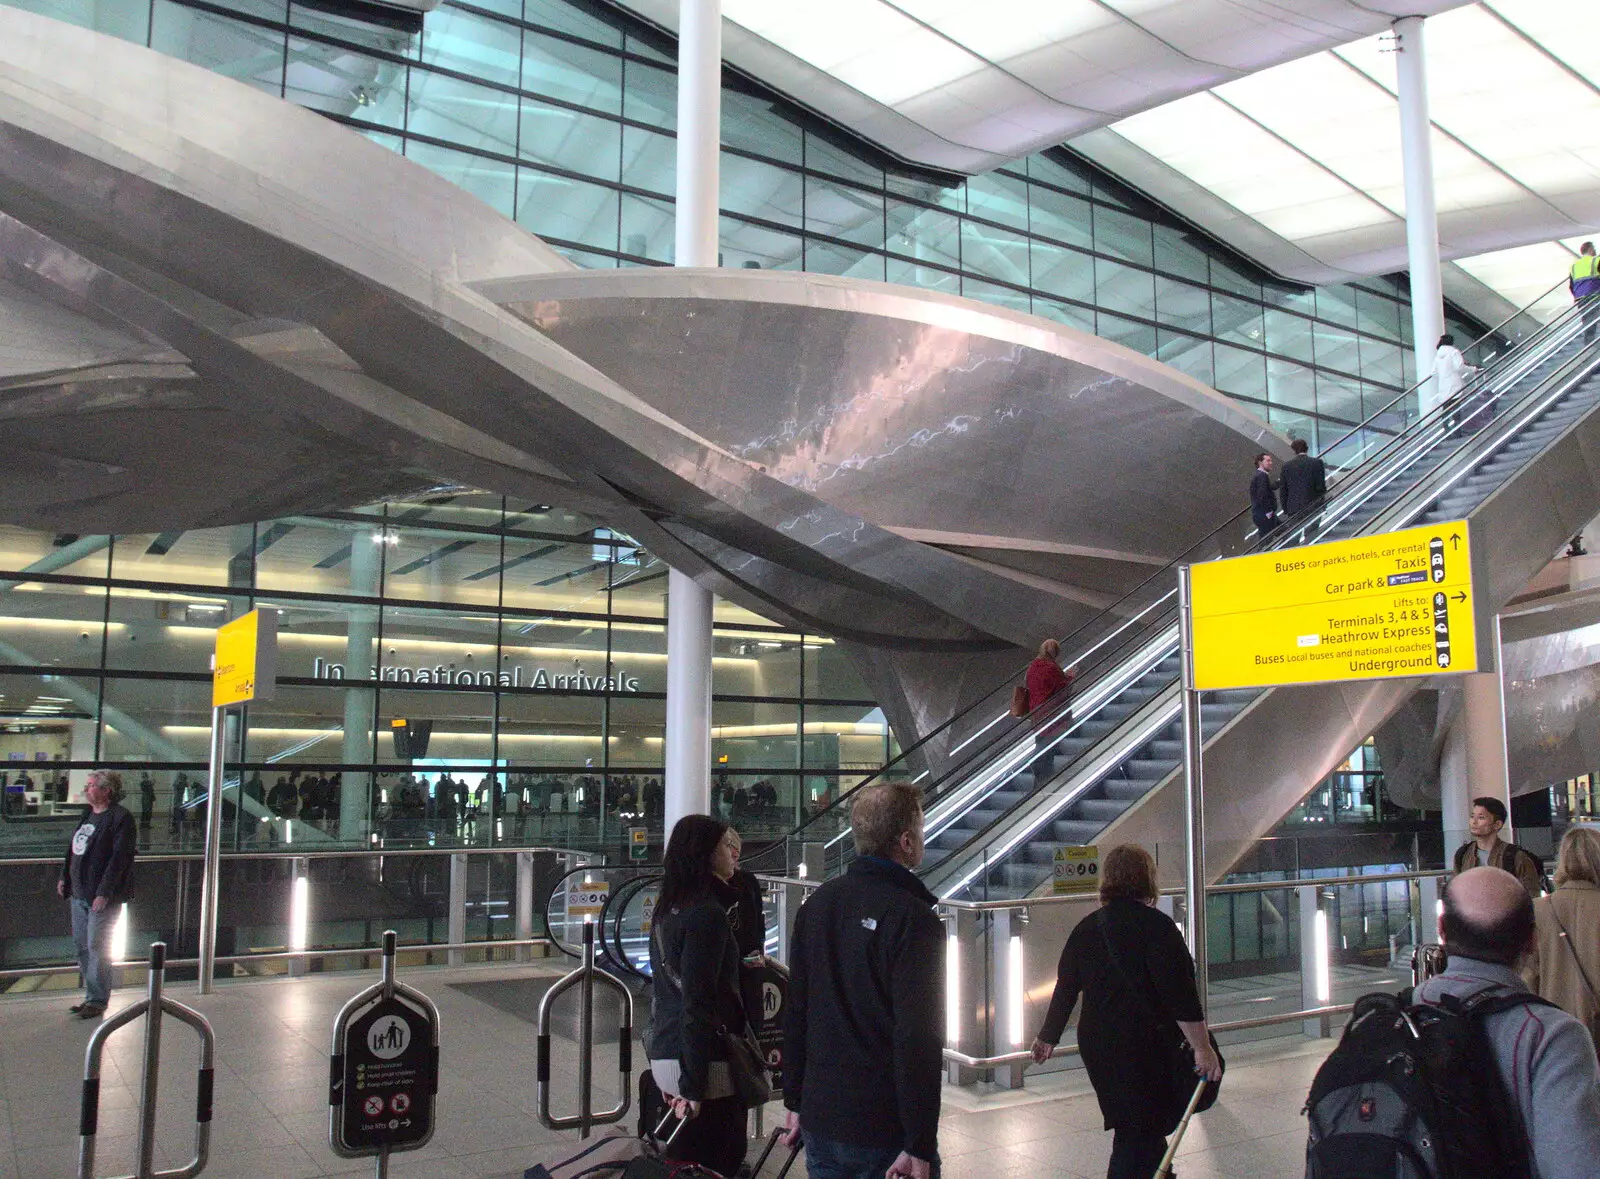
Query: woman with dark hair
[(694, 967), (1129, 963)]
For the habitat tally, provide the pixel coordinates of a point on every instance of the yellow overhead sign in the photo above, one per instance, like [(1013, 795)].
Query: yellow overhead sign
[(246, 663), (1376, 607)]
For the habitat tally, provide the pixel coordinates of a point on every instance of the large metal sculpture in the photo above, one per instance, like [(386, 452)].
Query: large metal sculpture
[(224, 308)]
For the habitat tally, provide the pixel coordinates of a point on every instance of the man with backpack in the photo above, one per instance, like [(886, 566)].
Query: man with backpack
[(1471, 1074), (1487, 850)]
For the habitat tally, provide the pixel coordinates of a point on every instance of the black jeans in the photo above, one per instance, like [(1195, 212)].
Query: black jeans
[(715, 1137), (1135, 1154)]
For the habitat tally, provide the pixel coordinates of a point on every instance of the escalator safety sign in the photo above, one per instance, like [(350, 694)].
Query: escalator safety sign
[(1077, 870), (1391, 606)]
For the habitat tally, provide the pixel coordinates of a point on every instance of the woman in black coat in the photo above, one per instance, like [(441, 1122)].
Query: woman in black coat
[(1130, 964), (694, 967)]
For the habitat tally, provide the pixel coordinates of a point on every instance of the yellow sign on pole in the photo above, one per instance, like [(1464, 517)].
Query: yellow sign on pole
[(1376, 607), (1077, 870), (246, 663)]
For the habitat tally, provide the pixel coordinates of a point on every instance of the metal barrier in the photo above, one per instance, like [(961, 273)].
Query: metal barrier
[(526, 906), (584, 978), (152, 1007)]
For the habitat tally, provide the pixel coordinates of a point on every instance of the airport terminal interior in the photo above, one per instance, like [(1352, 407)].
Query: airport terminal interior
[(601, 411)]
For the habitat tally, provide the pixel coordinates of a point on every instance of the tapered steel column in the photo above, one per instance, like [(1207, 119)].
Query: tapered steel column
[(1422, 213), (688, 746)]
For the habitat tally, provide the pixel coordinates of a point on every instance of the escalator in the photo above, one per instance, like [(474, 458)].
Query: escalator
[(1508, 455)]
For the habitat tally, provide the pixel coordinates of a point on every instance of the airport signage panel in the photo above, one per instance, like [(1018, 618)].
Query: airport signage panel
[(1375, 607)]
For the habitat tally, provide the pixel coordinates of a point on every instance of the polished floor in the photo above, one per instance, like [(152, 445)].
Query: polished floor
[(271, 1092)]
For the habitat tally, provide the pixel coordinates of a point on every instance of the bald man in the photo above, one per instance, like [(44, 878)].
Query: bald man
[(1546, 1057)]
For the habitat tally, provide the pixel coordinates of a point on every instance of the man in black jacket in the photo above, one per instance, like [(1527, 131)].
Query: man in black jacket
[(863, 1039), (1263, 495), (1304, 480), (95, 877)]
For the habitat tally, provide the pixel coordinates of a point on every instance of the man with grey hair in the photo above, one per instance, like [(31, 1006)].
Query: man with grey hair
[(862, 1034), (1545, 1057), (96, 877)]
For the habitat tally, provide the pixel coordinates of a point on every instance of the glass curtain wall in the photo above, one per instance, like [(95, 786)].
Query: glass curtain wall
[(454, 670), (560, 113)]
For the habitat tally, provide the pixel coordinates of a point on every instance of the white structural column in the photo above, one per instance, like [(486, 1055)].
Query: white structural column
[(1422, 211), (688, 748), (360, 704), (1474, 761)]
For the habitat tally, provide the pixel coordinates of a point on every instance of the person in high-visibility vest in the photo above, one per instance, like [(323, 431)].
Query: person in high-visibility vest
[(1585, 286)]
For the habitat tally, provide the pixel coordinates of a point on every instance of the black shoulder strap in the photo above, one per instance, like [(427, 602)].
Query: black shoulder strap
[(1492, 1000)]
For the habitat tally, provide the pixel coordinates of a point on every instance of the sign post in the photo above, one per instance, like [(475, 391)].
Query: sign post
[(383, 1077), (638, 843), (1392, 606), (244, 667)]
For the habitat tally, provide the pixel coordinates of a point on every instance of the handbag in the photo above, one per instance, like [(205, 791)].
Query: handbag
[(1019, 700), (747, 1070), (1179, 1062), (1583, 973)]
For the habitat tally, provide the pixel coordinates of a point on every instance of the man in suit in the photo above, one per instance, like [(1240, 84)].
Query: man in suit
[(1263, 495), (1304, 481)]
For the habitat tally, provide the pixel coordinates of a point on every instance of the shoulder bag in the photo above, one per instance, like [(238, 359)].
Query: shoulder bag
[(747, 1069), (1179, 1056)]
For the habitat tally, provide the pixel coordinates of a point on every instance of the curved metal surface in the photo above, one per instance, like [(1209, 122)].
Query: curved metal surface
[(234, 309)]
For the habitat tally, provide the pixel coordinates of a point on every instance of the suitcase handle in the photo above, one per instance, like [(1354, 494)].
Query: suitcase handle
[(772, 1141)]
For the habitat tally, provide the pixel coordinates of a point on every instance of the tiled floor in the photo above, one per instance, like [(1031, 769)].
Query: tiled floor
[(271, 1094)]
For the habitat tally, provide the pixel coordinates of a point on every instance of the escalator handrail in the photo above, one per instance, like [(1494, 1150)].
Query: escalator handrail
[(1187, 557)]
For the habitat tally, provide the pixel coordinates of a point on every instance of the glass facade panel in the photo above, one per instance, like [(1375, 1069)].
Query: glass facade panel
[(587, 98), (1183, 305)]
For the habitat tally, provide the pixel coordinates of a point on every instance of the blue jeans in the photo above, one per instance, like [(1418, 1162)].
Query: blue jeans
[(827, 1159), (91, 934)]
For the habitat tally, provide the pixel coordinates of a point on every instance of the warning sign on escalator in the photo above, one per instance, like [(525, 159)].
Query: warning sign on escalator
[(1378, 607), (1077, 870)]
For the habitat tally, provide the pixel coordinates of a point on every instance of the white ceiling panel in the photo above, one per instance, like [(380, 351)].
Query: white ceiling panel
[(1271, 122), (880, 66)]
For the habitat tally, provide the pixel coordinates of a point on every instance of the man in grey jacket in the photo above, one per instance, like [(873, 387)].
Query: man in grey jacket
[(1545, 1057)]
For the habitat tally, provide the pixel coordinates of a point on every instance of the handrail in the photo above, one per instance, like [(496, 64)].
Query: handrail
[(1024, 1056), (292, 854)]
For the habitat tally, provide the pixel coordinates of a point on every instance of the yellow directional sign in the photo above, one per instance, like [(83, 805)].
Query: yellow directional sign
[(1376, 607), (246, 663)]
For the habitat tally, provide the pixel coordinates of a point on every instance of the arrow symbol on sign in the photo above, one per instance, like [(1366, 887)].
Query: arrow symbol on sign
[(1462, 596), (1455, 540)]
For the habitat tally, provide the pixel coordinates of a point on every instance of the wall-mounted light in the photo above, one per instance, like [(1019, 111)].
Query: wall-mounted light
[(119, 935), (1016, 996), (1319, 958), (952, 989), (299, 913)]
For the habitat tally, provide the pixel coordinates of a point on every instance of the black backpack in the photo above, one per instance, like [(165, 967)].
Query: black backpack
[(1413, 1092)]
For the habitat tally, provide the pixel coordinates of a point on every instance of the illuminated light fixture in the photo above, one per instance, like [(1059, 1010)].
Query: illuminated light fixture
[(299, 913), (1319, 956), (1014, 971), (487, 649), (802, 872), (61, 624), (119, 935), (288, 831), (952, 989)]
